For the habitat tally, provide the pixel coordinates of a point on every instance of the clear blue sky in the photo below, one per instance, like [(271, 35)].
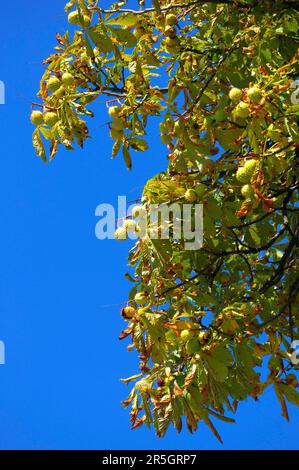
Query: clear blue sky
[(60, 386)]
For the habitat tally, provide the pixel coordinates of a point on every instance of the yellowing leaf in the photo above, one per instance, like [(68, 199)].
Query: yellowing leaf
[(138, 144), (125, 19)]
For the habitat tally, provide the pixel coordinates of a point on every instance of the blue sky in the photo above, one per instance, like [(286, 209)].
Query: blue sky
[(60, 386)]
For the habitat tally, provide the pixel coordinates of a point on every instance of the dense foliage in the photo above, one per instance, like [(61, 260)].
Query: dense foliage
[(212, 326)]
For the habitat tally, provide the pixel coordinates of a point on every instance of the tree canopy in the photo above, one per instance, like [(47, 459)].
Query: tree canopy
[(216, 325)]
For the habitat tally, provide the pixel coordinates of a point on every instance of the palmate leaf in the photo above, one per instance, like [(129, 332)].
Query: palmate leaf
[(209, 319)]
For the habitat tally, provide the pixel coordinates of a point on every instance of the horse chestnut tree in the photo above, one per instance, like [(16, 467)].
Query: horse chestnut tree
[(205, 323)]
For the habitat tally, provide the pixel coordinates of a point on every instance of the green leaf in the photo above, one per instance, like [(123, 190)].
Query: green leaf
[(218, 369), (125, 19), (290, 393), (127, 157)]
